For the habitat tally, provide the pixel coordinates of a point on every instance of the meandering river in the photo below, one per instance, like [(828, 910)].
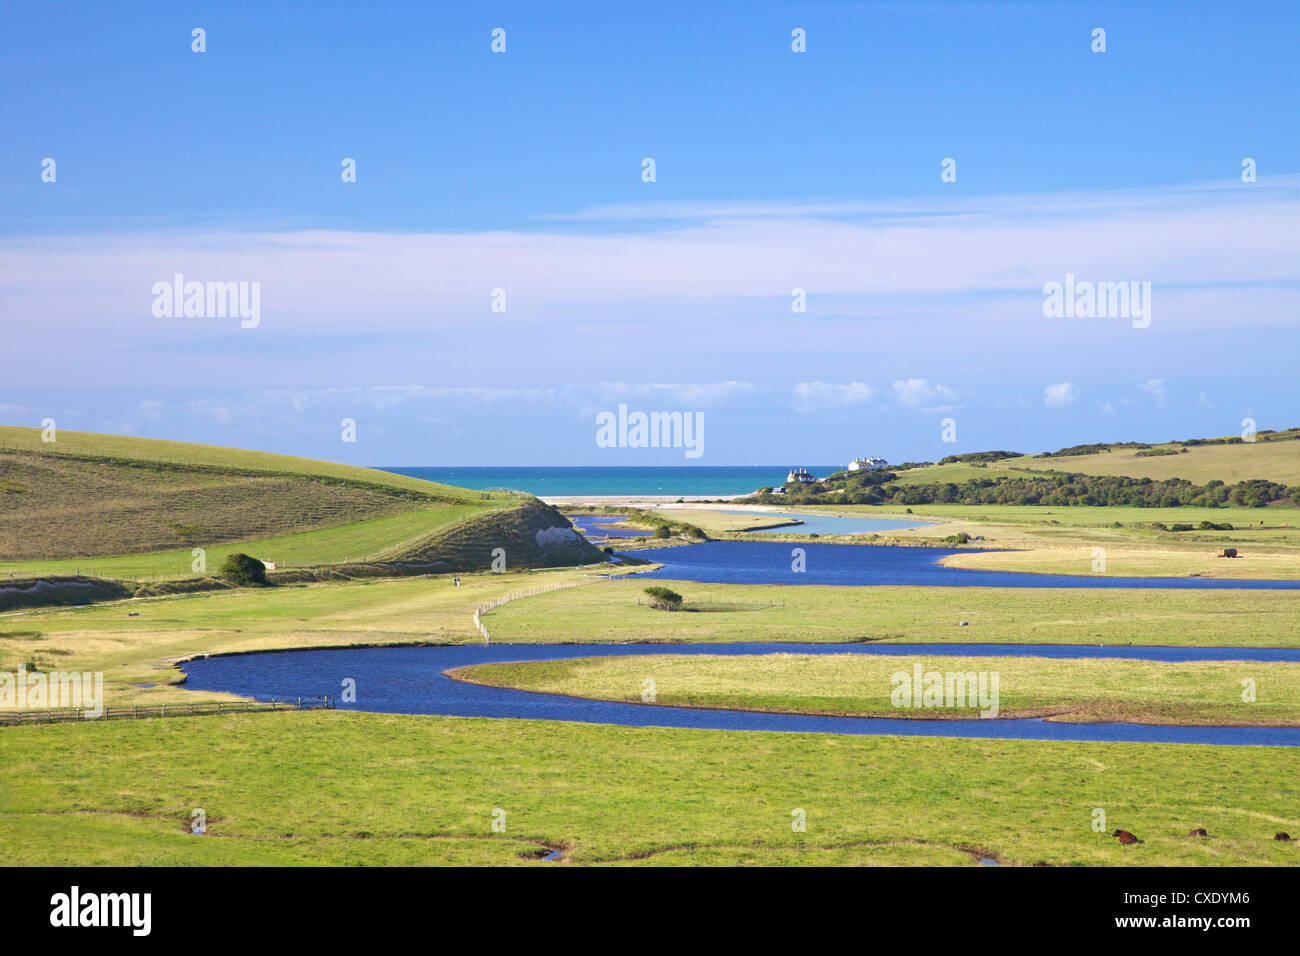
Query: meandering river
[(411, 680)]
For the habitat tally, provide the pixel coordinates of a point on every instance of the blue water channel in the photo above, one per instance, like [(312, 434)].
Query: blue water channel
[(411, 680), (776, 562), (598, 526)]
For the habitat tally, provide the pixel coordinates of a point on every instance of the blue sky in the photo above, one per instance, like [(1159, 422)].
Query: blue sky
[(775, 170)]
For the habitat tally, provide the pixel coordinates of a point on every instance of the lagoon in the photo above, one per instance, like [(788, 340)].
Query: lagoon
[(821, 524), (774, 562)]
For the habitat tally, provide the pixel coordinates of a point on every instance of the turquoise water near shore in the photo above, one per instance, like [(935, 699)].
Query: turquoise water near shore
[(660, 480)]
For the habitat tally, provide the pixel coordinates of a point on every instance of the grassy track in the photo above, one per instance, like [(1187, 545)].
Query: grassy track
[(136, 650), (341, 788), (1080, 691)]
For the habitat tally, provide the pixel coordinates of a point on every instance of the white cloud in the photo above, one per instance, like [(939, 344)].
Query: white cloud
[(1155, 387), (339, 306), (704, 393), (1204, 400), (921, 392), (1060, 395), (1106, 408), (811, 396)]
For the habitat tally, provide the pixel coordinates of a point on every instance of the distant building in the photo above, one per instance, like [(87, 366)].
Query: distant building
[(868, 464), (800, 474)]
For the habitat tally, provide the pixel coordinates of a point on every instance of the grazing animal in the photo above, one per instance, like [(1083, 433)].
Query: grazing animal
[(1198, 833), (1125, 837), (1282, 836)]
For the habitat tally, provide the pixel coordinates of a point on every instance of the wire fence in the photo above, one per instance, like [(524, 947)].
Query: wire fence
[(61, 715), (720, 602), (529, 592)]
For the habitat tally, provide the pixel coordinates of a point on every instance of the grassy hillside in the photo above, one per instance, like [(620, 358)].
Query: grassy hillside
[(57, 507), (90, 445), (135, 509), (357, 542), (1274, 456), (1275, 460)]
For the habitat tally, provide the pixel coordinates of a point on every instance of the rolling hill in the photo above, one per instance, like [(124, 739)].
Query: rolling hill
[(1273, 456), (132, 509)]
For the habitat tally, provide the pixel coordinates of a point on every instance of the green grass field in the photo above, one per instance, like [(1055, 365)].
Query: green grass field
[(356, 789), (609, 612), (1079, 691)]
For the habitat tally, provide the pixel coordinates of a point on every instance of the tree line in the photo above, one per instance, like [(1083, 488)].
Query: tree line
[(879, 488)]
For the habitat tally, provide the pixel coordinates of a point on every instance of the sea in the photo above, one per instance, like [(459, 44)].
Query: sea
[(645, 480)]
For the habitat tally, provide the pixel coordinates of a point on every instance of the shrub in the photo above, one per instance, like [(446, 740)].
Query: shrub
[(662, 531), (1180, 527), (244, 570), (665, 599)]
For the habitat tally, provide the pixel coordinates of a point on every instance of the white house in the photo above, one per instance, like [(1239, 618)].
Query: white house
[(800, 474), (868, 464)]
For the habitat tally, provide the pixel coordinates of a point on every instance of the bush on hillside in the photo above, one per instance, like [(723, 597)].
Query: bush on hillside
[(243, 569)]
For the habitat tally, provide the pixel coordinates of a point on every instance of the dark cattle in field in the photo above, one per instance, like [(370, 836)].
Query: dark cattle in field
[(1198, 833), (1125, 837)]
